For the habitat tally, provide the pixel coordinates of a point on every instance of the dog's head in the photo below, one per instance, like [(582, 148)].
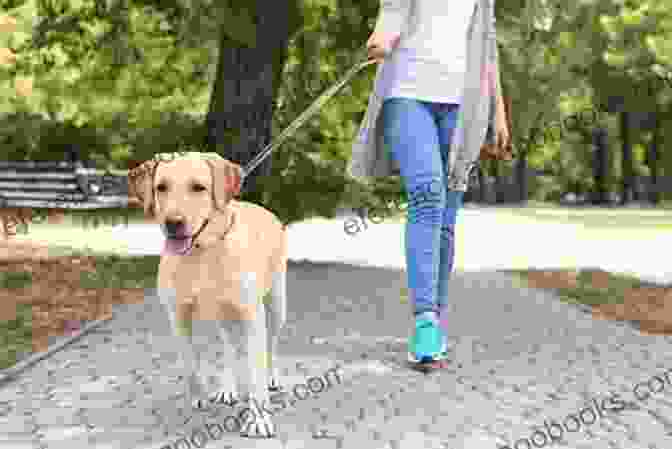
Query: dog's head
[(181, 191)]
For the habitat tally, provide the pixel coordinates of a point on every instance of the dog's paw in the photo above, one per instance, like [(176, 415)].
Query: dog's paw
[(225, 398), (258, 426)]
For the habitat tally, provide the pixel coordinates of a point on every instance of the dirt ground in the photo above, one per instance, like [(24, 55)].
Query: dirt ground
[(55, 293), (650, 305)]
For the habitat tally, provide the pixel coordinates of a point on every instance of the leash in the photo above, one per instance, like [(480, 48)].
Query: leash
[(304, 116), (9, 374), (300, 120)]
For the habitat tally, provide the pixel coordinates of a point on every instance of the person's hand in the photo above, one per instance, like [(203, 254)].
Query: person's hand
[(379, 45), (503, 137), (501, 128)]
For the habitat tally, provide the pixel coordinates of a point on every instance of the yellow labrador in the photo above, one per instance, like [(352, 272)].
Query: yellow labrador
[(223, 267)]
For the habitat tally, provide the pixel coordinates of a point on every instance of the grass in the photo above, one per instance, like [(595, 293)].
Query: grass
[(600, 218), (112, 271), (107, 217), (585, 291), (655, 219), (16, 335), (85, 219), (553, 206)]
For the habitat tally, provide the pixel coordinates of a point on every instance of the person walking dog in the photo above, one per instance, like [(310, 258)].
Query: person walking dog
[(436, 94)]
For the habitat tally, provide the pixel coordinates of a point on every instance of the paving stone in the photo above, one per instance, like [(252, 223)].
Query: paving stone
[(11, 394), (46, 417), (17, 443), (62, 436), (15, 424), (622, 440), (538, 360), (649, 431), (118, 437), (122, 416)]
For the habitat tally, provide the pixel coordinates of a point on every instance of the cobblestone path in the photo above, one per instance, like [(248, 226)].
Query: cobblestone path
[(520, 358)]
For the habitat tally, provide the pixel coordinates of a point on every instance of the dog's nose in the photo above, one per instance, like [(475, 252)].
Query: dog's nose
[(173, 225)]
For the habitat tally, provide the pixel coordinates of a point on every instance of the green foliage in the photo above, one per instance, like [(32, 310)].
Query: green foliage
[(113, 271), (16, 336), (573, 57), (309, 171), (119, 70), (18, 279), (585, 292), (125, 80)]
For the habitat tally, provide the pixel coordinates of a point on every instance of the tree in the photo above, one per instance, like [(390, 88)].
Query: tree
[(142, 72), (638, 68), (249, 72), (542, 42), (626, 161), (600, 165), (119, 67), (129, 78), (653, 162)]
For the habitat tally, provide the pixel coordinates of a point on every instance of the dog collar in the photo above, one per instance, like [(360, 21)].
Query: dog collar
[(221, 237), (195, 236)]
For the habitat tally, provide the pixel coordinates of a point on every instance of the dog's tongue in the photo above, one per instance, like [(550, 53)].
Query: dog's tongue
[(176, 247)]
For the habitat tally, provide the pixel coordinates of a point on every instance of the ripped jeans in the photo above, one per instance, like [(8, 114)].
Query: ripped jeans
[(418, 133)]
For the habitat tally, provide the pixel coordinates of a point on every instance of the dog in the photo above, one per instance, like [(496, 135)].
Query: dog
[(223, 267)]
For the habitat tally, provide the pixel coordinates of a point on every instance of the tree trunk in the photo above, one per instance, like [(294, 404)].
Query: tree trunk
[(500, 183), (654, 191), (521, 175), (241, 107), (626, 165), (481, 185), (600, 166)]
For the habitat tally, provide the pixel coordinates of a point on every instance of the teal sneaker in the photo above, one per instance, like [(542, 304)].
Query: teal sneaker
[(443, 354), (443, 324), (427, 343)]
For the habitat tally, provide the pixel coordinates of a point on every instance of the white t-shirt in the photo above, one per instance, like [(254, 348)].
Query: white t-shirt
[(430, 60)]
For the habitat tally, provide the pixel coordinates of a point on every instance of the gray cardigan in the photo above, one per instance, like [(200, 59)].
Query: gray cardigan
[(476, 115)]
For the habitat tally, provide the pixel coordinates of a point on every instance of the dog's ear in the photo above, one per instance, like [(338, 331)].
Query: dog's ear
[(141, 185), (226, 177)]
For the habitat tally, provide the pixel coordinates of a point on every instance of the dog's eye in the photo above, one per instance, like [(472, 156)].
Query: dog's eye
[(198, 188), (161, 188)]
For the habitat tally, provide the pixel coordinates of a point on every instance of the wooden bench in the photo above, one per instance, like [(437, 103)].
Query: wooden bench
[(27, 186)]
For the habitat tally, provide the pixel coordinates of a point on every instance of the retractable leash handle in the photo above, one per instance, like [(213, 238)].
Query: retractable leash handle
[(304, 116)]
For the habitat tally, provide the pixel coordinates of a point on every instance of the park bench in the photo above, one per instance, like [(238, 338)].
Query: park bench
[(56, 186)]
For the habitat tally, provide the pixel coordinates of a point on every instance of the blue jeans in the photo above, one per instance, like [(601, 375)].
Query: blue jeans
[(419, 134)]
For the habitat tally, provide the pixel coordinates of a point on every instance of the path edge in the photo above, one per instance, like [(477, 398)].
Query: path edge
[(8, 374)]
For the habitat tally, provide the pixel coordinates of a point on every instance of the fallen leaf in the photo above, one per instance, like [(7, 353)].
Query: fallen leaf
[(7, 24), (7, 56)]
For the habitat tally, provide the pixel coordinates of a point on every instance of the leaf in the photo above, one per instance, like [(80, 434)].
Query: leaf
[(237, 21)]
